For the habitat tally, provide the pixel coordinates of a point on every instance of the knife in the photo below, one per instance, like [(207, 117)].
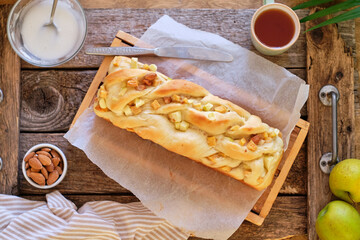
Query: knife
[(199, 53)]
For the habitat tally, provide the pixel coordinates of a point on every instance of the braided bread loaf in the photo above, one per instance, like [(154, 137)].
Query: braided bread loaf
[(185, 118)]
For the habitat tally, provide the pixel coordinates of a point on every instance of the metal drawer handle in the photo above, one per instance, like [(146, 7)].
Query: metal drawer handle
[(329, 96)]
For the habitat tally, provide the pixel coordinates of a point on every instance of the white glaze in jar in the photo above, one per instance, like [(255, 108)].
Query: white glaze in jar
[(43, 42)]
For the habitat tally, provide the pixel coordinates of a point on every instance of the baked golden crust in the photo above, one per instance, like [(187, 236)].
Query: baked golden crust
[(179, 87), (186, 119)]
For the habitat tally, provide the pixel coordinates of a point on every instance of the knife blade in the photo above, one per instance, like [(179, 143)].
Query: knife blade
[(199, 53)]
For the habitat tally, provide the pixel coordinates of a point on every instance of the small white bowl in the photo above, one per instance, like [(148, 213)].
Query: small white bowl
[(36, 148)]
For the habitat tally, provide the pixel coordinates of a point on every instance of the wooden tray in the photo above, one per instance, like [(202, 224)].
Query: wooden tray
[(262, 207)]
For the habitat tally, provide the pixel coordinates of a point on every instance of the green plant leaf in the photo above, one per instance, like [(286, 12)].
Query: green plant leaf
[(354, 13), (310, 3), (333, 9)]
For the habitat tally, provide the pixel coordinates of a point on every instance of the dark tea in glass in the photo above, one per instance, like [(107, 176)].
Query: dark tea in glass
[(274, 28)]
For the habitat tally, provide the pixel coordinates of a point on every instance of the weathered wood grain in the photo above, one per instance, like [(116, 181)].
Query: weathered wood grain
[(292, 237), (329, 61), (217, 4), (51, 98), (287, 212), (296, 182), (287, 217), (9, 109), (233, 25), (83, 177), (181, 4), (357, 131)]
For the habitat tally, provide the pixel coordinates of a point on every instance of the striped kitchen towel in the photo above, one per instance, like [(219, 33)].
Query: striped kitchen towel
[(59, 219)]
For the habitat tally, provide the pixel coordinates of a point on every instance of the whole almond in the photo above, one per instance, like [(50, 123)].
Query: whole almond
[(44, 153), (30, 155), (150, 76), (34, 170), (53, 176), (55, 153), (61, 164), (28, 172), (38, 178), (35, 163), (46, 149), (26, 165), (46, 161), (56, 161), (50, 168), (59, 170), (45, 173)]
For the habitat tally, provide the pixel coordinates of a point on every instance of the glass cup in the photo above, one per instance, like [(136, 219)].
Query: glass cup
[(271, 50), (16, 21)]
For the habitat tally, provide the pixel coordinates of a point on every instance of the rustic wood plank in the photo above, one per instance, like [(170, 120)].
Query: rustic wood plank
[(287, 217), (93, 180), (51, 98), (9, 109), (357, 130), (217, 4), (329, 62), (300, 72), (83, 177), (287, 212), (231, 24), (230, 4), (292, 237), (357, 101), (296, 182)]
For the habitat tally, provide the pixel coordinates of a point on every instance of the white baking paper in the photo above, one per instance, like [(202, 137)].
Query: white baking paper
[(193, 197), (260, 86)]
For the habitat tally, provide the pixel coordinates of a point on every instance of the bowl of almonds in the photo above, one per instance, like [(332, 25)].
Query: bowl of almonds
[(44, 166)]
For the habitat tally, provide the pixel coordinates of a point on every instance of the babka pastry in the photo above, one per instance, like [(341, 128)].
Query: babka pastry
[(185, 118)]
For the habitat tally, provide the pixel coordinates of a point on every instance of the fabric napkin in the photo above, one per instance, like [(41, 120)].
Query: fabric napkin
[(58, 218)]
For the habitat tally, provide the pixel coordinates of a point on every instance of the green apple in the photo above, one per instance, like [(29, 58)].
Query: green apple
[(338, 221), (344, 180)]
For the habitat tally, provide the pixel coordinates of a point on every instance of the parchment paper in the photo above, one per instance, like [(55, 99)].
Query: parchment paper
[(191, 196)]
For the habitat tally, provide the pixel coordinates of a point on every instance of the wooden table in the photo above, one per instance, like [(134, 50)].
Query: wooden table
[(41, 103)]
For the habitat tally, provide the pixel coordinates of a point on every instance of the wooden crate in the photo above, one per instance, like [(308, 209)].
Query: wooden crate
[(263, 206)]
